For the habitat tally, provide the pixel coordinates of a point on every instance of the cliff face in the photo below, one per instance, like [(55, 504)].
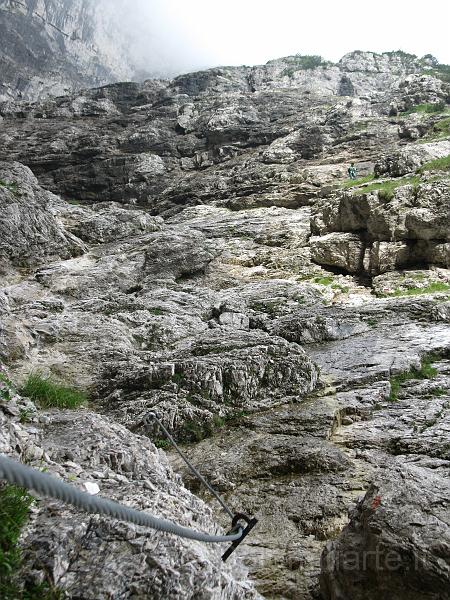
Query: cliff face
[(56, 47), (195, 247)]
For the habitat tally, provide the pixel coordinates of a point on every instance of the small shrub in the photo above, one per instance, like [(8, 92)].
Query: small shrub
[(162, 443), (303, 63), (48, 393)]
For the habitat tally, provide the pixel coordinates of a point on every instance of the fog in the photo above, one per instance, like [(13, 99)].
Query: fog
[(172, 36)]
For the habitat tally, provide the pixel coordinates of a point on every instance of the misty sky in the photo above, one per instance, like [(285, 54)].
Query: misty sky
[(183, 35)]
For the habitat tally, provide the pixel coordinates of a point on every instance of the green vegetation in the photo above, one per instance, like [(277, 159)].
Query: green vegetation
[(439, 71), (323, 280), (426, 371), (354, 182), (386, 189), (196, 432), (301, 62), (6, 387), (439, 164), (428, 108), (439, 391), (48, 393), (341, 288), (156, 311), (162, 443), (15, 505), (415, 291), (372, 322), (441, 129), (12, 187)]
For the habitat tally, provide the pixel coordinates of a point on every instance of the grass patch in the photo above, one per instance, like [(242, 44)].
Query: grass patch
[(439, 391), (427, 108), (439, 164), (323, 280), (416, 291), (426, 371), (341, 288), (15, 504), (354, 182), (386, 189), (441, 129), (48, 393)]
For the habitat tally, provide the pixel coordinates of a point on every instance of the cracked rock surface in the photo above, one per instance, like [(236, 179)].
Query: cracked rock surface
[(205, 259)]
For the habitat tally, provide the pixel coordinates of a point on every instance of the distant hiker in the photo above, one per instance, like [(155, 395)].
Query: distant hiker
[(352, 171)]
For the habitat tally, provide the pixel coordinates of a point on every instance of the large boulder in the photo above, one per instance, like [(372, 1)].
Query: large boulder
[(30, 230), (410, 158), (376, 232), (397, 544)]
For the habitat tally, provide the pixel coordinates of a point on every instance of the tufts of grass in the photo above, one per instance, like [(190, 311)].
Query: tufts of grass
[(354, 182), (372, 322), (196, 432), (439, 164), (15, 504), (386, 189), (48, 393), (323, 280), (426, 371), (429, 108), (342, 288), (416, 291), (439, 391)]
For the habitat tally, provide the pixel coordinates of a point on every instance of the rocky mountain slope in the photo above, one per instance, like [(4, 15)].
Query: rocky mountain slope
[(194, 247), (55, 47)]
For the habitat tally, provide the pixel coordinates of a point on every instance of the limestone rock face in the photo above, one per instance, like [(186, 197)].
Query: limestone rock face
[(206, 260), (56, 47), (400, 527), (95, 557), (409, 159), (374, 234), (30, 230)]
